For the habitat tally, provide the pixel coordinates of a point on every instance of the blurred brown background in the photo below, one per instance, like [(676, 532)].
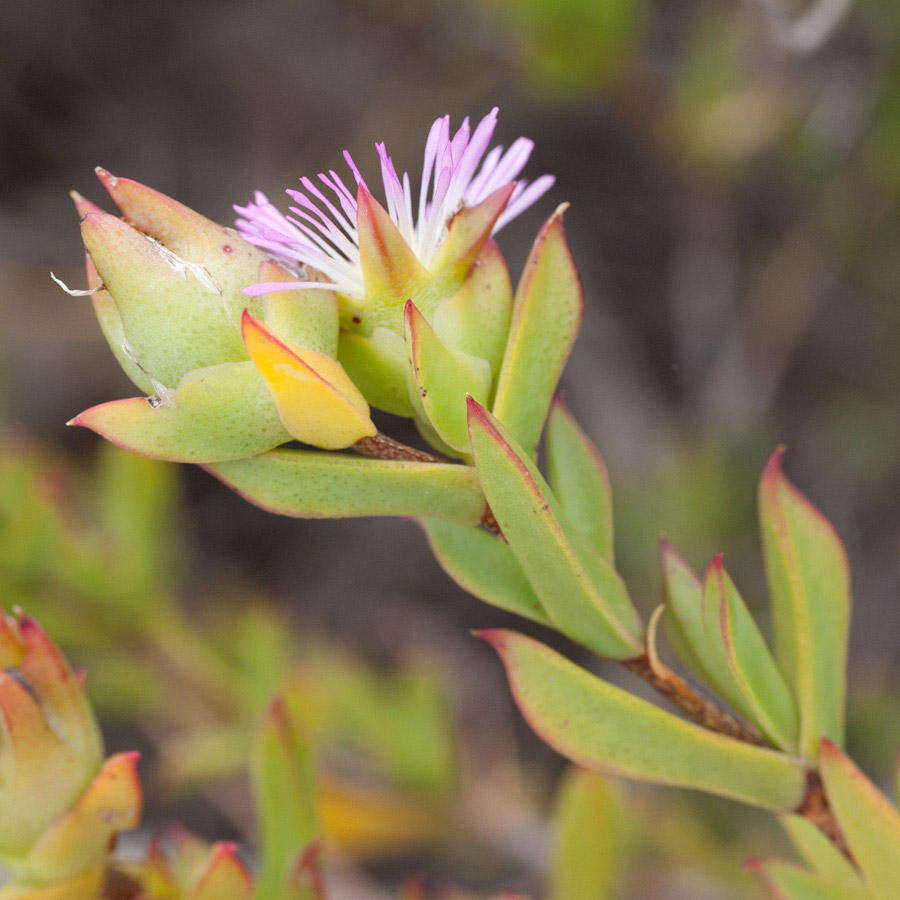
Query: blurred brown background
[(733, 168)]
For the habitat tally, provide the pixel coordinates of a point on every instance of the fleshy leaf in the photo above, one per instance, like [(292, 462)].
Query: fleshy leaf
[(219, 413), (391, 271), (85, 884), (111, 325), (173, 316), (869, 822), (309, 484), (81, 838), (581, 593), (579, 479), (545, 320), (317, 402), (230, 261), (307, 318), (475, 320), (600, 726), (484, 566), (754, 685), (222, 877), (820, 854), (467, 233), (377, 365), (809, 587), (442, 379), (285, 791), (788, 882), (590, 838)]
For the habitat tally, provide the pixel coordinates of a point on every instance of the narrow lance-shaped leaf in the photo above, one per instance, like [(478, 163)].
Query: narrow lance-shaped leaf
[(755, 686), (788, 882), (546, 317), (310, 484), (604, 727), (590, 838), (820, 854), (317, 402), (869, 822), (809, 587), (218, 413), (285, 792), (582, 594), (484, 566), (579, 479), (222, 876), (441, 379)]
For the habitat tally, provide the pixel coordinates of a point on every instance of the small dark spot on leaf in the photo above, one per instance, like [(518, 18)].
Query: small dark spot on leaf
[(357, 320), (227, 248)]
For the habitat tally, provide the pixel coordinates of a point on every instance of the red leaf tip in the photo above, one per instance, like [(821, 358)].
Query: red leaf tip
[(496, 637), (828, 747), (773, 467)]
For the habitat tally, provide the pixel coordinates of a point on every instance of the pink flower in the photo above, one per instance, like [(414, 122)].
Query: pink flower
[(321, 229)]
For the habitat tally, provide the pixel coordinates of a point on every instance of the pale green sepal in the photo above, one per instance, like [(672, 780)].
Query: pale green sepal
[(545, 320), (868, 821), (819, 853), (307, 318), (591, 838), (443, 378), (173, 315), (755, 686), (377, 366), (809, 588), (579, 479), (313, 484), (475, 320), (600, 726), (483, 565), (218, 413), (582, 595)]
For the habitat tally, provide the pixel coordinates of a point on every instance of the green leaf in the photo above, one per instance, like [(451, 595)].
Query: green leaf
[(313, 484), (475, 320), (582, 594), (753, 684), (285, 792), (603, 727), (590, 840), (546, 317), (787, 882), (809, 585), (441, 379), (820, 854), (578, 476), (377, 366), (218, 413), (484, 566), (869, 822), (173, 316)]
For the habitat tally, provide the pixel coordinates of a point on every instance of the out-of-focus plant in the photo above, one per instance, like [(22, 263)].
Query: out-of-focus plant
[(243, 354)]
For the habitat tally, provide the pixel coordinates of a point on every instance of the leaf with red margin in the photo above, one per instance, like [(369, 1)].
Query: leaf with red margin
[(215, 414), (578, 476), (545, 321), (174, 319), (80, 839), (600, 726), (809, 587), (788, 882), (483, 565), (440, 380), (819, 853), (316, 400), (734, 648), (310, 484), (581, 593), (231, 262), (222, 877), (868, 821)]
